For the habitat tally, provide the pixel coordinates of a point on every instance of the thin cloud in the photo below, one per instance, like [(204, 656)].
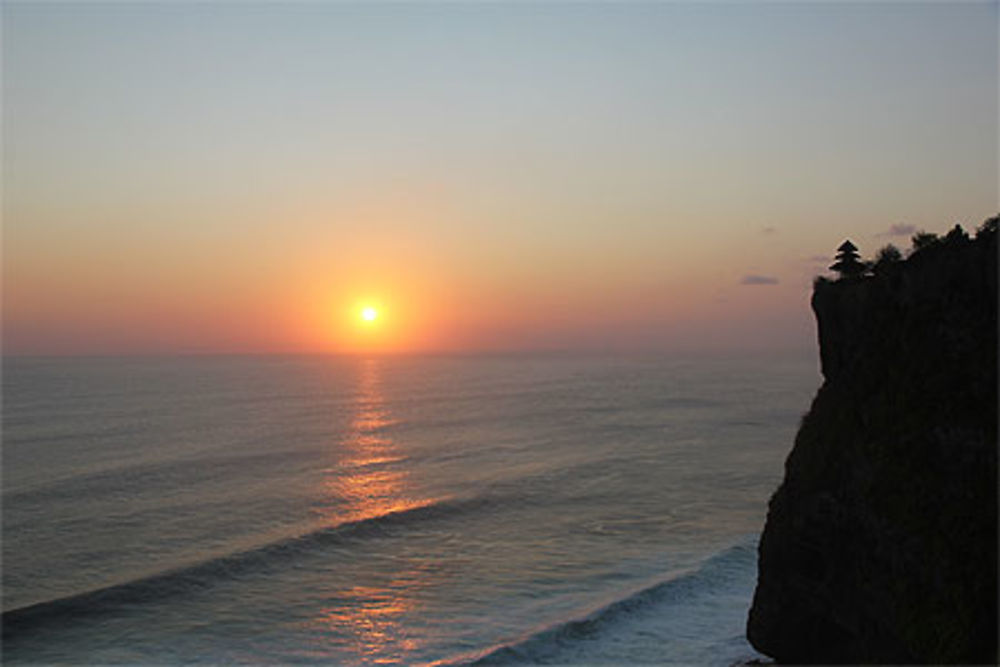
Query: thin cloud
[(768, 230), (753, 279), (900, 230)]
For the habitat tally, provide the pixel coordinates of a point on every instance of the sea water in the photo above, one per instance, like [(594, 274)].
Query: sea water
[(493, 510)]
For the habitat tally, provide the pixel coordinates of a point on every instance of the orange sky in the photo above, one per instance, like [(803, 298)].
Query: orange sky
[(206, 178)]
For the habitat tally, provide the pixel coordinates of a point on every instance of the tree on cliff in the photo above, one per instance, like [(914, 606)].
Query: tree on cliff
[(887, 257), (956, 235), (848, 263), (923, 240)]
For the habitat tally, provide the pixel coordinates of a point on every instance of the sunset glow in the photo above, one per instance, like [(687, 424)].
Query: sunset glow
[(472, 216)]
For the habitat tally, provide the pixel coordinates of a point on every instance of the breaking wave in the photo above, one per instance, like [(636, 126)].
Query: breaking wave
[(637, 615)]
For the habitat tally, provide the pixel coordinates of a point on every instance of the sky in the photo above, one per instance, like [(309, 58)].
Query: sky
[(246, 177)]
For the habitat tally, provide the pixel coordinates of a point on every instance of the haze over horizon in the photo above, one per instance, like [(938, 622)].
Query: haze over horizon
[(246, 178)]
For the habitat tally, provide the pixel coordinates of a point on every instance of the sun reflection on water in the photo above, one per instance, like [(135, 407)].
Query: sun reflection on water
[(371, 480), (369, 619)]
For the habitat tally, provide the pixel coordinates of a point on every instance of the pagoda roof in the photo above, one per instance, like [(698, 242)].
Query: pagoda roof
[(847, 246)]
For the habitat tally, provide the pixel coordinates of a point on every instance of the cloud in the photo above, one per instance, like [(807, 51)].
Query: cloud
[(752, 279), (900, 230), (768, 230)]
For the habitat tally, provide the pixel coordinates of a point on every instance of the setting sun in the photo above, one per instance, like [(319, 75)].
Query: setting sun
[(369, 314)]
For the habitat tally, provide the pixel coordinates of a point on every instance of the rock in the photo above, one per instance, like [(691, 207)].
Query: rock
[(881, 543)]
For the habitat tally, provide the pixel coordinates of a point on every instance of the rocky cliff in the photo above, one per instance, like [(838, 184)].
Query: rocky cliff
[(881, 542)]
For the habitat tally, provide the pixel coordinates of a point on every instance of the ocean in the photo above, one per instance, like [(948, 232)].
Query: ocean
[(499, 509)]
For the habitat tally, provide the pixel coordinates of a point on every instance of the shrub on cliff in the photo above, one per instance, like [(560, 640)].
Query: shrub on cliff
[(886, 257), (989, 226), (923, 240), (956, 235)]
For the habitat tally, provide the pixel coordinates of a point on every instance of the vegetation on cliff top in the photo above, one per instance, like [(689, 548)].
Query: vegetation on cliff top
[(850, 266)]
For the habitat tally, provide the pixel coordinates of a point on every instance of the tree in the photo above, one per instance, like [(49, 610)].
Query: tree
[(923, 240), (886, 257), (848, 263), (956, 235), (988, 227)]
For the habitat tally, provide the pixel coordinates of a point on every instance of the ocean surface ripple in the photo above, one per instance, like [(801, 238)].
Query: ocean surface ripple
[(473, 510)]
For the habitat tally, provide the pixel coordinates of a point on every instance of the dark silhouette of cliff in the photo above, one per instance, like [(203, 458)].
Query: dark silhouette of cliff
[(881, 542)]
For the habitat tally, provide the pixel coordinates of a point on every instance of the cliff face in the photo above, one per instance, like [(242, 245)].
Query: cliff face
[(881, 542)]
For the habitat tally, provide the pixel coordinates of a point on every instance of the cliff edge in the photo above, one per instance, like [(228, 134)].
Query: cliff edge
[(881, 543)]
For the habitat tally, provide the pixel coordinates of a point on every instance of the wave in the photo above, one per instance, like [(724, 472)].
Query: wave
[(564, 642), (205, 574)]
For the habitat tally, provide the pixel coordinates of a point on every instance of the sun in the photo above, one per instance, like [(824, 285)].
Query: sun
[(369, 314)]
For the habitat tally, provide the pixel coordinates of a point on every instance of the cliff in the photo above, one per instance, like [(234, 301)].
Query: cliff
[(881, 543)]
